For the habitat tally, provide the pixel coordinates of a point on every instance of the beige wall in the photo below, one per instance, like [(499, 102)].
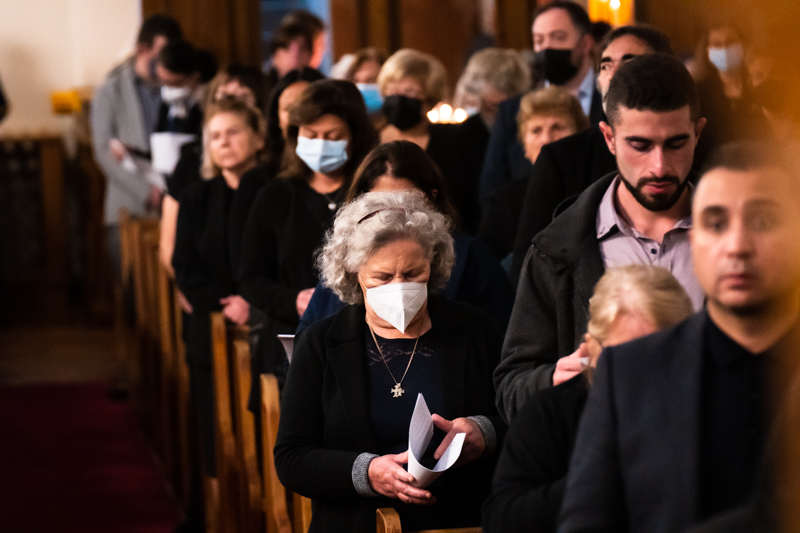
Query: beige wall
[(49, 45)]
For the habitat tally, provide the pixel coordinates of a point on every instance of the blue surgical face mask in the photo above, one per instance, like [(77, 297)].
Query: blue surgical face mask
[(372, 96), (726, 59), (322, 155)]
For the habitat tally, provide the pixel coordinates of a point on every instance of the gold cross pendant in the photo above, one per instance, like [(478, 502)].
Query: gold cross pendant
[(397, 391)]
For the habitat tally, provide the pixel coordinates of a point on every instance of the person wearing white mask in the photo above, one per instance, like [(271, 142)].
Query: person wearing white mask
[(355, 376), (178, 71), (328, 135)]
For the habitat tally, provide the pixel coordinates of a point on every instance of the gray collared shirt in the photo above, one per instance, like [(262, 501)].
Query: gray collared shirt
[(620, 245), (150, 98)]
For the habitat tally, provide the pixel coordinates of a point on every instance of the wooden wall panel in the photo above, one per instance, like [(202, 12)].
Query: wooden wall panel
[(443, 29), (231, 29), (514, 20)]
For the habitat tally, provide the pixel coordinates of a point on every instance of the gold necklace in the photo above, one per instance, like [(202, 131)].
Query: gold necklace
[(397, 391)]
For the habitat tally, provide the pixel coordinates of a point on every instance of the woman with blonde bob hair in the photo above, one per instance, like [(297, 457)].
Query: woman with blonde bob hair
[(629, 302), (355, 376), (208, 240), (411, 84)]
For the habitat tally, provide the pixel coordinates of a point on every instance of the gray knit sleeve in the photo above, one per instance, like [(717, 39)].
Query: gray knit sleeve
[(360, 474), (489, 434)]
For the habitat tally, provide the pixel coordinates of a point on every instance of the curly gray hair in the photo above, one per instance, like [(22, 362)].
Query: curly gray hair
[(374, 220)]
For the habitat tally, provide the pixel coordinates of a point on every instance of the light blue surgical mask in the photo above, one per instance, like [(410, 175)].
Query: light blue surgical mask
[(322, 155), (726, 59), (372, 96)]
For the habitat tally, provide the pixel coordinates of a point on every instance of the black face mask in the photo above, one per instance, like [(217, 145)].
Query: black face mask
[(556, 65), (402, 112)]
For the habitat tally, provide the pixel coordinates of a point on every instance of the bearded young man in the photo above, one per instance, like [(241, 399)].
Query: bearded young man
[(638, 214), (677, 430)]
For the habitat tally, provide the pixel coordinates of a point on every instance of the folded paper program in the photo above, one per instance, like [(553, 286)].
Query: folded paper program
[(288, 344), (420, 432)]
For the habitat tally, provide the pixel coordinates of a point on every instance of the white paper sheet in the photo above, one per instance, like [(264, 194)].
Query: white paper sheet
[(165, 147), (288, 344), (420, 432)]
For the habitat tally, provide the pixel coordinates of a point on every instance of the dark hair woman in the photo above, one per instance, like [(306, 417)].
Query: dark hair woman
[(208, 239), (476, 278), (283, 95), (329, 134)]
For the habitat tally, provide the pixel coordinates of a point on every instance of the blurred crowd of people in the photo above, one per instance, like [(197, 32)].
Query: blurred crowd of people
[(591, 279)]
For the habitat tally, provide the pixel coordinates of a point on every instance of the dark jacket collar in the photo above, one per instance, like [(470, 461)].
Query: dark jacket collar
[(567, 236)]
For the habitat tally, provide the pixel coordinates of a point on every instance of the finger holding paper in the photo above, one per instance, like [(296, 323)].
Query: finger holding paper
[(388, 477), (474, 442)]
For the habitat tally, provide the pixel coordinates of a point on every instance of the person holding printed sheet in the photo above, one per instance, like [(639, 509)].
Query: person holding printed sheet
[(355, 376)]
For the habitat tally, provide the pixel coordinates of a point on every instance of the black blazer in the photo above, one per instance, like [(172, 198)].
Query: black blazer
[(500, 218), (325, 425), (208, 244), (564, 168), (635, 463), (458, 149)]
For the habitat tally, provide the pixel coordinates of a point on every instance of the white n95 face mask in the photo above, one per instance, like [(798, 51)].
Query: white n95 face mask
[(173, 94), (322, 155), (398, 303)]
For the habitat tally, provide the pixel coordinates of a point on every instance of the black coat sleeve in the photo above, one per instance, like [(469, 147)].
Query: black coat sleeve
[(528, 483), (530, 348), (485, 285), (303, 462), (545, 191), (195, 281), (594, 498), (258, 276)]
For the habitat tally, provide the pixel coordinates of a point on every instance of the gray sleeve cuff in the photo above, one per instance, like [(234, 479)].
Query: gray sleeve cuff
[(360, 474), (489, 434)]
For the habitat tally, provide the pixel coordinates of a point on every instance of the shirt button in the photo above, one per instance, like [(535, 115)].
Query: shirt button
[(652, 250)]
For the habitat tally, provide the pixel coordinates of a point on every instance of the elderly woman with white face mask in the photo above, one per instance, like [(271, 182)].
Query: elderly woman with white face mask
[(355, 376)]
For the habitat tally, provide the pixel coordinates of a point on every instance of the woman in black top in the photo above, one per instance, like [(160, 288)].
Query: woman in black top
[(236, 81), (283, 95), (628, 302), (355, 377), (329, 134), (208, 241)]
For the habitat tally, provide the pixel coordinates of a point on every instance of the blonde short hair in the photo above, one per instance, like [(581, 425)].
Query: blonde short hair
[(372, 221), (251, 116), (641, 290), (408, 63), (548, 102)]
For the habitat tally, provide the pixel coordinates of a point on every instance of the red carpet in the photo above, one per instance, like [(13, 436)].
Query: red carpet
[(71, 460)]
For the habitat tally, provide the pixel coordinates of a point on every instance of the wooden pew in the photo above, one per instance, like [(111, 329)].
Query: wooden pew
[(168, 373), (186, 438), (228, 471), (144, 389), (276, 511), (250, 498), (388, 521)]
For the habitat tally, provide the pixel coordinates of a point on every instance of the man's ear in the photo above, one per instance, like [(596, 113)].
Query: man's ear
[(588, 42), (698, 127), (608, 135), (142, 48)]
